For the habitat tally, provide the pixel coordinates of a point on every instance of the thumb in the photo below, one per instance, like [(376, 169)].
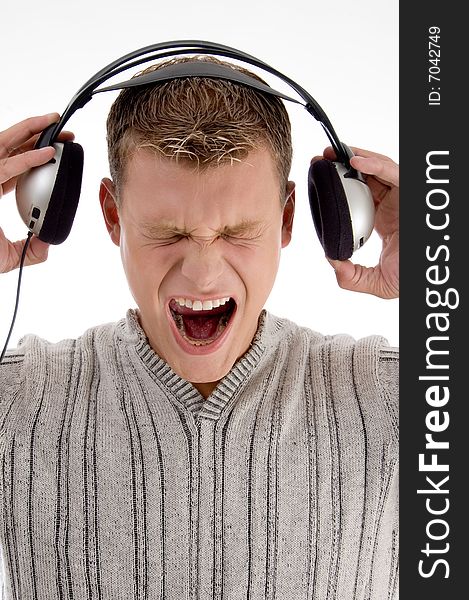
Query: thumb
[(37, 251), (355, 278)]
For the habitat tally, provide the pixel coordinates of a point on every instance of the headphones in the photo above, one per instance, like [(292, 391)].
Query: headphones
[(341, 203)]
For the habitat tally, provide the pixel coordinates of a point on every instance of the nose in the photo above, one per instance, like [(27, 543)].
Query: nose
[(202, 265)]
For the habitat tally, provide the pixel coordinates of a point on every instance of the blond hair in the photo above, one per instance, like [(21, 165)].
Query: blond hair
[(199, 121)]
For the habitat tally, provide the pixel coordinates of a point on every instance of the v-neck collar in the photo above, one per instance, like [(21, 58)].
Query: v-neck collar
[(183, 390)]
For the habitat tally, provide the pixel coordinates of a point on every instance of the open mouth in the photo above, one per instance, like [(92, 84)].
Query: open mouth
[(201, 327)]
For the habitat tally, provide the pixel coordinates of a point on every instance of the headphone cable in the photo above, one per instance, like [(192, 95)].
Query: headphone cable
[(23, 256)]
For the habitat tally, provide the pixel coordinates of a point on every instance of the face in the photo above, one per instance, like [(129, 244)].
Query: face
[(201, 251)]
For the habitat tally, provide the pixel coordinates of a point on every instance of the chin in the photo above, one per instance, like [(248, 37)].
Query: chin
[(203, 369)]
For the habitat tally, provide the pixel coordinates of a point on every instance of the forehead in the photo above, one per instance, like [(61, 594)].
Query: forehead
[(162, 189)]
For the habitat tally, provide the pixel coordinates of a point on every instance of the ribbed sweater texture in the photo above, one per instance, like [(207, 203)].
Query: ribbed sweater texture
[(119, 481)]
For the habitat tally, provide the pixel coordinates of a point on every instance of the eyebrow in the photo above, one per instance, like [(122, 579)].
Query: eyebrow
[(163, 228)]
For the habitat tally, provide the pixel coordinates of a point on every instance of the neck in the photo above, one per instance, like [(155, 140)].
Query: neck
[(206, 388)]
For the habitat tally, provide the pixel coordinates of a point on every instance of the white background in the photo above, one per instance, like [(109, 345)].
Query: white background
[(344, 53)]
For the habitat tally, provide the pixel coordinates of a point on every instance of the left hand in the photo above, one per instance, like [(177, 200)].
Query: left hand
[(382, 176)]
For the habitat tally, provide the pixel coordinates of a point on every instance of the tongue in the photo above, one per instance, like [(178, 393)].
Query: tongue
[(201, 327)]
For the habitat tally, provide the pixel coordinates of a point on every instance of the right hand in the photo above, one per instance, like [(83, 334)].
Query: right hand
[(17, 156)]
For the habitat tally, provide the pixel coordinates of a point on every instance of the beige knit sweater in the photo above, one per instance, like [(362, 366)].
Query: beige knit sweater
[(120, 482)]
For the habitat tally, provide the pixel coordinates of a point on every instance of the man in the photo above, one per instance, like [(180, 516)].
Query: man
[(201, 447)]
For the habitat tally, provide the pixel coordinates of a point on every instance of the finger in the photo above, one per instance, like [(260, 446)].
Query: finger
[(357, 278), (11, 253), (37, 251), (368, 153), (328, 153), (15, 165), (386, 171), (18, 134), (64, 136)]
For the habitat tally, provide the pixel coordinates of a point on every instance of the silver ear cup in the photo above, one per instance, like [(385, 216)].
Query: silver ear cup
[(34, 190), (341, 206), (48, 196), (361, 206)]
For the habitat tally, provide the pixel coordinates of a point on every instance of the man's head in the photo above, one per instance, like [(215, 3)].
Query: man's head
[(198, 121), (200, 205)]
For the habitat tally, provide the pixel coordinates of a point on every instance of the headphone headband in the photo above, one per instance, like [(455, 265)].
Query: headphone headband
[(191, 69), (196, 68), (341, 203)]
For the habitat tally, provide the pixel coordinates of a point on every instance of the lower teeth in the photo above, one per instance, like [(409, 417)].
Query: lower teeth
[(180, 325)]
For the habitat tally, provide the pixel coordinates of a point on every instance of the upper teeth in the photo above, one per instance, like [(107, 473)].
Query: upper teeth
[(202, 305)]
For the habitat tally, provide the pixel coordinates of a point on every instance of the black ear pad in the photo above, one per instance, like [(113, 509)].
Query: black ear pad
[(330, 210), (63, 203)]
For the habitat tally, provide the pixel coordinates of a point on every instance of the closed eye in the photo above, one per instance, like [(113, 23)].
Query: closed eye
[(240, 237), (165, 241)]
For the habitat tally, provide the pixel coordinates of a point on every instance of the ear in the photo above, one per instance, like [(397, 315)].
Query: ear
[(288, 214), (107, 199)]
